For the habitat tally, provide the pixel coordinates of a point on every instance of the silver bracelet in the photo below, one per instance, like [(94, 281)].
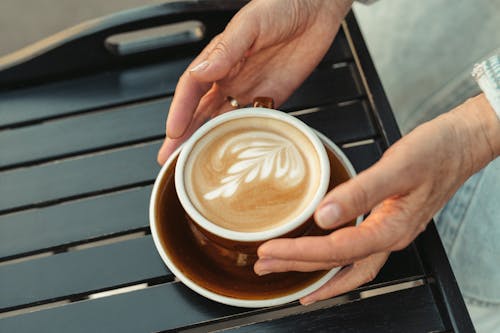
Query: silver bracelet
[(487, 76)]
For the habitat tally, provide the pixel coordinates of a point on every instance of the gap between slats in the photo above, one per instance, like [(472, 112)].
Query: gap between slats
[(84, 297), (94, 294), (39, 121), (76, 197), (92, 151), (76, 246)]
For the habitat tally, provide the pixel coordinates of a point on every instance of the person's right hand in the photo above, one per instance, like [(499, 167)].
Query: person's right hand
[(268, 49)]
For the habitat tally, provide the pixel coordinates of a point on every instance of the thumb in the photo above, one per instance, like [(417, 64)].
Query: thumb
[(229, 49), (360, 194)]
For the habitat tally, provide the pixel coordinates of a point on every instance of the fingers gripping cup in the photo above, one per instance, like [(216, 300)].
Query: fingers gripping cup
[(251, 175)]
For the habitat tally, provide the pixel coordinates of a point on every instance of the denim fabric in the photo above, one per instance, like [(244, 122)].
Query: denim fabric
[(486, 318), (469, 226)]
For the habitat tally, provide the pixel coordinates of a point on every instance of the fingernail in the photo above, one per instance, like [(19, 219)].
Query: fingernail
[(260, 273), (327, 215), (260, 267), (307, 301), (264, 256), (200, 67)]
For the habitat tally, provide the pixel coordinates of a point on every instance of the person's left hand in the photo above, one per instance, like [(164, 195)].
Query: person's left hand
[(410, 183)]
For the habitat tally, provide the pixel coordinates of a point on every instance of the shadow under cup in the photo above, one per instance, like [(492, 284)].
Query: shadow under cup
[(226, 267)]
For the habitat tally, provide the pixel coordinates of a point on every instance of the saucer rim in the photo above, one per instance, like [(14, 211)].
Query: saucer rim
[(247, 303)]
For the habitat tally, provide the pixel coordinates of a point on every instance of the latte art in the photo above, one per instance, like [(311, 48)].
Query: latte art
[(252, 174), (258, 156)]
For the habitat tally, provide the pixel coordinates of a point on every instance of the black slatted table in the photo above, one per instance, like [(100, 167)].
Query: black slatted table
[(80, 126)]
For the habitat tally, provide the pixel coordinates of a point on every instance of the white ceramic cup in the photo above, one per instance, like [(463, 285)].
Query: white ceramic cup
[(272, 232)]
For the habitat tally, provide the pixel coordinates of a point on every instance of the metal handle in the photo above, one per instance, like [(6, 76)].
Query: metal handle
[(143, 40)]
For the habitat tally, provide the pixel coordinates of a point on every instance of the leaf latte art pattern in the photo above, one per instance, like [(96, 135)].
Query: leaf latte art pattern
[(258, 156)]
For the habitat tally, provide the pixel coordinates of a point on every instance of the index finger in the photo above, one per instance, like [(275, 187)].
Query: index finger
[(188, 94), (341, 247)]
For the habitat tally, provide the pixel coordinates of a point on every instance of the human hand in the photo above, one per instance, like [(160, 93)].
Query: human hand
[(410, 183), (267, 49)]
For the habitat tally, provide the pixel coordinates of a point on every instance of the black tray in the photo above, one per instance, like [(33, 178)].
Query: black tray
[(81, 118)]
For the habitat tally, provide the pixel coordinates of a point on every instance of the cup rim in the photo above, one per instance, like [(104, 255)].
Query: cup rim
[(262, 235), (248, 303)]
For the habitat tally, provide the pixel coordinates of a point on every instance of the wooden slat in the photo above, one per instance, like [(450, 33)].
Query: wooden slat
[(74, 177), (401, 265), (327, 85), (342, 124), (98, 91), (62, 275), (410, 310), (84, 132), (160, 307), (446, 288), (340, 49), (364, 156), (37, 230)]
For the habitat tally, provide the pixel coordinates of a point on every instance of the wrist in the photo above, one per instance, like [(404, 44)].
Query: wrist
[(342, 7), (477, 131), (328, 14)]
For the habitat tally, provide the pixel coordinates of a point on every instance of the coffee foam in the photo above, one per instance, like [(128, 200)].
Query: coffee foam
[(252, 174)]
